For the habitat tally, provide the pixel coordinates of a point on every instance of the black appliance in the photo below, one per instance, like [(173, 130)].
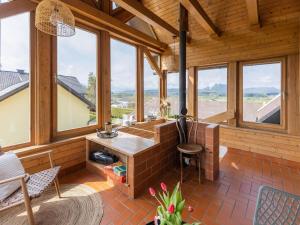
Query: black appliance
[(104, 158)]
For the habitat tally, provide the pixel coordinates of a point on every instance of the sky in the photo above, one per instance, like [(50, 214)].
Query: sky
[(210, 77), (15, 42), (123, 66), (267, 75), (77, 56), (151, 80)]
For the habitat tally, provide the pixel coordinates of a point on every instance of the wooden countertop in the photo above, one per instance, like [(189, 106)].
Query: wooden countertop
[(124, 143)]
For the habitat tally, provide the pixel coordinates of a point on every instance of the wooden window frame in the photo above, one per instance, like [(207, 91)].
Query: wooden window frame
[(56, 135), (264, 126), (32, 60), (223, 65)]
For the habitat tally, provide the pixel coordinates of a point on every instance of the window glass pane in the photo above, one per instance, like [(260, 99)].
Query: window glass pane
[(123, 82), (151, 91), (212, 91), (77, 80), (173, 93), (4, 1), (15, 80), (262, 93), (114, 5)]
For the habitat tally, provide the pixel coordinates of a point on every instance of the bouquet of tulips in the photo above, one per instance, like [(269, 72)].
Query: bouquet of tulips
[(171, 206)]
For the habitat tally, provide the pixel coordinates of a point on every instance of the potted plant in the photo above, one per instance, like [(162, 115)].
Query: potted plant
[(169, 211)]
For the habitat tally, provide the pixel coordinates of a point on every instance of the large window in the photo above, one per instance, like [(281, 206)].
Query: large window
[(123, 82), (261, 92), (77, 80), (151, 91), (173, 93), (212, 91), (15, 80)]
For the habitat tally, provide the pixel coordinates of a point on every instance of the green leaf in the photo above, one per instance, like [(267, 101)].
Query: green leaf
[(180, 206), (163, 200)]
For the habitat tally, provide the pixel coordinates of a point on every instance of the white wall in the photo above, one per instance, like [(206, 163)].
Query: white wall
[(15, 119)]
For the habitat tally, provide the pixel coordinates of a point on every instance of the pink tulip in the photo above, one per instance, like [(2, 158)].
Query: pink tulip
[(190, 208), (171, 209), (163, 186), (152, 192)]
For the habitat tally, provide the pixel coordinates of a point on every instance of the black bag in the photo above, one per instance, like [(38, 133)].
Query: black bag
[(104, 158)]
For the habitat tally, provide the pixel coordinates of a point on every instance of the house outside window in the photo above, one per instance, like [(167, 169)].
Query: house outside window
[(15, 76), (76, 80)]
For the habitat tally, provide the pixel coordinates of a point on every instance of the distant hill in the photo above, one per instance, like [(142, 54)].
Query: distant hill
[(217, 89), (221, 90), (262, 91)]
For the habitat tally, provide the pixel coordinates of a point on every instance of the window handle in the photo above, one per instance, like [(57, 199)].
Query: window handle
[(55, 78)]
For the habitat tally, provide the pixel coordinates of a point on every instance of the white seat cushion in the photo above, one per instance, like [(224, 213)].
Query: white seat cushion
[(10, 166)]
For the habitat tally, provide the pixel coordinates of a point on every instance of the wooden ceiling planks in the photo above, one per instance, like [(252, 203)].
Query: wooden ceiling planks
[(278, 35), (195, 9), (146, 15)]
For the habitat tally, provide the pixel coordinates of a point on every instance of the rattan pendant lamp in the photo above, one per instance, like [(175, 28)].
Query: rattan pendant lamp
[(55, 18)]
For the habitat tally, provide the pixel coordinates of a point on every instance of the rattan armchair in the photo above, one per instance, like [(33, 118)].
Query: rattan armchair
[(33, 188)]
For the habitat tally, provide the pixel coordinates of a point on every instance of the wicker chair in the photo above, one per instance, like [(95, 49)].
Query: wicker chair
[(276, 207), (187, 147), (33, 188)]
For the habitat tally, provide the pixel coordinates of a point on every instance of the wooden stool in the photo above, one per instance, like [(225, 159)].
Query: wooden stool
[(194, 150)]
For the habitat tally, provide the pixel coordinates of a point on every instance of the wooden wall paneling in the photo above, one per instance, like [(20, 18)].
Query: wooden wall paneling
[(232, 91), (140, 84), (16, 7), (193, 92), (70, 154), (43, 120), (264, 142), (86, 13), (104, 78), (293, 118)]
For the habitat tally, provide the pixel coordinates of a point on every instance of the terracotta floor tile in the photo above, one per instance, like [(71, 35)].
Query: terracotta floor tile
[(230, 200)]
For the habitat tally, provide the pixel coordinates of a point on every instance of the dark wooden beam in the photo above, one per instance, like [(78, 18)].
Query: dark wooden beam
[(122, 15), (86, 14), (153, 63), (137, 9), (253, 14), (196, 10)]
